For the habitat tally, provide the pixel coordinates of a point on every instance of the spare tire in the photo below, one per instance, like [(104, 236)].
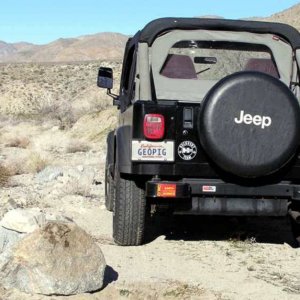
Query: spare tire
[(249, 124)]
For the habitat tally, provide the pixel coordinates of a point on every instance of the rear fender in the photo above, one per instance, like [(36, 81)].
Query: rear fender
[(123, 149), (110, 154)]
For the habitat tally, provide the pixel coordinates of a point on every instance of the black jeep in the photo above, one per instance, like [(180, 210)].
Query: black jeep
[(209, 123)]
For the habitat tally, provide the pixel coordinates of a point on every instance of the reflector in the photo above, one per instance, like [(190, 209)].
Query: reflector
[(166, 190)]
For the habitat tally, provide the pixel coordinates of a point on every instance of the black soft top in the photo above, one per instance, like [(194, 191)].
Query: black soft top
[(159, 26)]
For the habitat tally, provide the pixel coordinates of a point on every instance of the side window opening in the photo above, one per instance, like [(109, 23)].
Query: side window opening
[(127, 87), (128, 68), (295, 80)]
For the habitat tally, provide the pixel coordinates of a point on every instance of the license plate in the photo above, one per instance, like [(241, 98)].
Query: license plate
[(152, 151)]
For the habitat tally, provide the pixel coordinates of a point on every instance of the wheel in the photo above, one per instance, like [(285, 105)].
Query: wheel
[(109, 190), (294, 215), (129, 211), (295, 231), (109, 179), (242, 124)]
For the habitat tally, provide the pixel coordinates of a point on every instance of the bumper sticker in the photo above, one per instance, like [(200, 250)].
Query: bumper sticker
[(209, 188), (187, 150)]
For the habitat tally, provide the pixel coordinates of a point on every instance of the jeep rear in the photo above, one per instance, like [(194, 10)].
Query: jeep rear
[(209, 123)]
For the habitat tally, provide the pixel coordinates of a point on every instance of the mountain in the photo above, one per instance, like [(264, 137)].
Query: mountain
[(100, 46), (106, 45), (288, 16), (6, 49)]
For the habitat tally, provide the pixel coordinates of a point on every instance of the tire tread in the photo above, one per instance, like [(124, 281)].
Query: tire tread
[(129, 216)]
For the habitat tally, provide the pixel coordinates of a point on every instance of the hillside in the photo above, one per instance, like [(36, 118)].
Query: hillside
[(100, 46), (63, 91), (84, 48), (289, 16)]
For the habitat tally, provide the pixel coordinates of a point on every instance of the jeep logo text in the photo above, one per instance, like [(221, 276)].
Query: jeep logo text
[(257, 120)]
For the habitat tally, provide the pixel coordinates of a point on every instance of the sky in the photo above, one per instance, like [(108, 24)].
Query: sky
[(42, 21)]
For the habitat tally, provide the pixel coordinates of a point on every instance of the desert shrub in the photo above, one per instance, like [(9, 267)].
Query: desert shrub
[(5, 174), (61, 111), (32, 163), (81, 187), (18, 142), (35, 163), (77, 146)]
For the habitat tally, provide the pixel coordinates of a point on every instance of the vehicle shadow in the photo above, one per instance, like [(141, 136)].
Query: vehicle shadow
[(270, 230)]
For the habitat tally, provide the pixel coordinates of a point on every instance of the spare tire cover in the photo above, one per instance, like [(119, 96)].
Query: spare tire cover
[(249, 124)]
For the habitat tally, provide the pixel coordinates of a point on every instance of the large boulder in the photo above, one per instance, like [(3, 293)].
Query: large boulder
[(8, 238), (59, 258)]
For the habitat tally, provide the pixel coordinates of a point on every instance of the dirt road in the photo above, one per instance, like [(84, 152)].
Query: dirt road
[(192, 258), (183, 257)]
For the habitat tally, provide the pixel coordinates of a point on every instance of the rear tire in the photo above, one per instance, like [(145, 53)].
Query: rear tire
[(295, 227), (129, 212)]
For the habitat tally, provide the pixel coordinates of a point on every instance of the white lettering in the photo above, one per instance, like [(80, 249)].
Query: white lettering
[(266, 122), (247, 119), (257, 120), (239, 121)]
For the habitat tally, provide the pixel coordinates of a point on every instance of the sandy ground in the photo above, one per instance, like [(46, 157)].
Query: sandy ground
[(183, 257)]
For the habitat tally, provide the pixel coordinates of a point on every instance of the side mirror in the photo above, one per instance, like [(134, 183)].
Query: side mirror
[(105, 78)]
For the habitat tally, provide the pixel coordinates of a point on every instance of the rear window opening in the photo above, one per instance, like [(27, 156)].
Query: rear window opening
[(213, 60)]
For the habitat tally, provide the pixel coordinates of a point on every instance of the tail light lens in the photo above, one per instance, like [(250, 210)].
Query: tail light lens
[(154, 126)]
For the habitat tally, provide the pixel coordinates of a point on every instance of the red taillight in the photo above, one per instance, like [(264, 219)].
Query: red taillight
[(154, 126)]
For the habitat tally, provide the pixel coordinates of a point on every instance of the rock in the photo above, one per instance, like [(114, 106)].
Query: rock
[(21, 180), (55, 217), (48, 174), (72, 173), (23, 220), (86, 174), (55, 128), (6, 204), (80, 168), (8, 238), (59, 258)]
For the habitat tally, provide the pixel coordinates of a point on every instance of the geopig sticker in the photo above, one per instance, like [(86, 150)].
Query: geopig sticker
[(187, 150)]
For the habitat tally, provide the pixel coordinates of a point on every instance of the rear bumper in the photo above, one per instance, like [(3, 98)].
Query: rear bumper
[(186, 188), (215, 197)]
